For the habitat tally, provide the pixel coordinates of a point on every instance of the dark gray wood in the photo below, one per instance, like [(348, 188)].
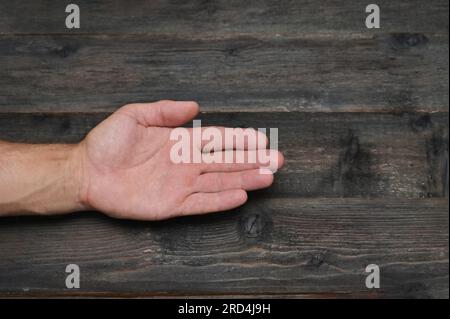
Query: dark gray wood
[(362, 118), (397, 72), (327, 154), (222, 16), (269, 246)]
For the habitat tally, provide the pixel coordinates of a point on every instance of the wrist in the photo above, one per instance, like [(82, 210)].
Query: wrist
[(41, 179), (76, 179), (57, 182)]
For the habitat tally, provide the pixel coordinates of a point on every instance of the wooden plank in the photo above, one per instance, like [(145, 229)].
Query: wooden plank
[(222, 16), (269, 246), (386, 73), (327, 154)]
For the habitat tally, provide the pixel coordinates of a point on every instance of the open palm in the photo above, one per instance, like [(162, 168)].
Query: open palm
[(128, 172)]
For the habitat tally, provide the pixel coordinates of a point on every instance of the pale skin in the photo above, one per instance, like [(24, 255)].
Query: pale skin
[(123, 169)]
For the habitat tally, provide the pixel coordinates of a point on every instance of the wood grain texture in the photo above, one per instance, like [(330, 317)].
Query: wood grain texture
[(327, 154), (362, 118), (222, 16), (269, 246), (396, 72)]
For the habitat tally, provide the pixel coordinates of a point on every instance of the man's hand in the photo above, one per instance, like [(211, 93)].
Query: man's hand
[(123, 168)]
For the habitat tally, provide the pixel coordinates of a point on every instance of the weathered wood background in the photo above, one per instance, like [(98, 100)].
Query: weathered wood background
[(363, 122)]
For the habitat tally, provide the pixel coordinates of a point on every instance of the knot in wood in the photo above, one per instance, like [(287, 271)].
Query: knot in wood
[(316, 260), (407, 40), (253, 225)]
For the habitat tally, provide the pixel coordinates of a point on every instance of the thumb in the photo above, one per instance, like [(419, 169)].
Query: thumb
[(162, 113)]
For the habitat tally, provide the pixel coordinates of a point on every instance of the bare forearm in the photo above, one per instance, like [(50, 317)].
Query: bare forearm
[(39, 179)]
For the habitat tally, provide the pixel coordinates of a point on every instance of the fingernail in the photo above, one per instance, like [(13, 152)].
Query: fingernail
[(265, 171)]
